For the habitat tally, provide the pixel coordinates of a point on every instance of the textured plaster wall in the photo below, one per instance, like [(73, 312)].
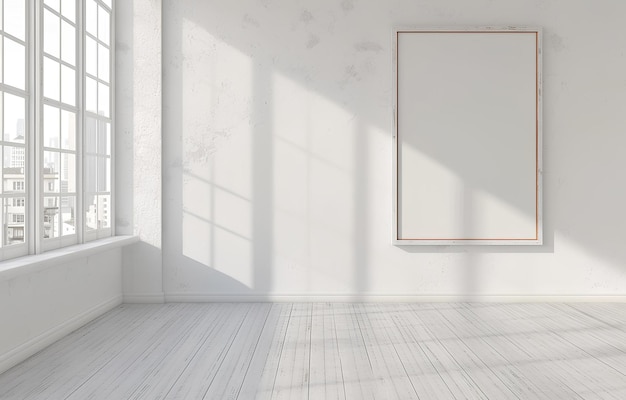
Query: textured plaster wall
[(138, 145), (277, 142)]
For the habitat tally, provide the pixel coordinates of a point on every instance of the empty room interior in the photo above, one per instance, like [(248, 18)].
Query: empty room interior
[(299, 199)]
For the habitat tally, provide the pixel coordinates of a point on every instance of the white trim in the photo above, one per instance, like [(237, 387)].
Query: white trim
[(25, 350), (144, 298), (382, 298), (29, 264)]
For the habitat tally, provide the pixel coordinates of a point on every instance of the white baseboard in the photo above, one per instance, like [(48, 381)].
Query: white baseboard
[(381, 298), (144, 298), (25, 350)]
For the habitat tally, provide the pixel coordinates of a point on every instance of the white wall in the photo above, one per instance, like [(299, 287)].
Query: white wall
[(277, 152), (40, 307), (138, 145)]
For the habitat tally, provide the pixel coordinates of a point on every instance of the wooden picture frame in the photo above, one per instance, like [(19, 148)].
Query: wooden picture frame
[(467, 136)]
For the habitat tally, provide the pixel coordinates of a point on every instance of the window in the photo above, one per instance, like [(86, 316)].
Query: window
[(55, 143)]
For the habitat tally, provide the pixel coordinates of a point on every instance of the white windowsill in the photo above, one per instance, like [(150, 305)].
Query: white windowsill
[(28, 264)]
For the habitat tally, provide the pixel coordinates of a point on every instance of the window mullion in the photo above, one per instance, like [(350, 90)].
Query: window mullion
[(80, 136), (35, 143), (112, 116)]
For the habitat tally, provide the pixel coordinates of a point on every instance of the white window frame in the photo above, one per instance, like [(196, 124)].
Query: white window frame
[(34, 190)]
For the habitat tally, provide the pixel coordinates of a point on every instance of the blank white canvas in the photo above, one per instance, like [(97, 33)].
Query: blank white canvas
[(467, 137)]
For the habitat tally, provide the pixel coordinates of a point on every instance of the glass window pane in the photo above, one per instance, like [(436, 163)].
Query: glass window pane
[(107, 2), (68, 85), (109, 143), (51, 171), (68, 9), (68, 43), (92, 95), (14, 71), (1, 54), (103, 63), (91, 135), (15, 220), (15, 18), (103, 25), (51, 126), (51, 217), (51, 33), (91, 14), (68, 173), (91, 56), (51, 84), (68, 212), (14, 112), (13, 169), (104, 167), (68, 130), (54, 4), (108, 175), (104, 211), (104, 138), (91, 212), (103, 99), (91, 177)]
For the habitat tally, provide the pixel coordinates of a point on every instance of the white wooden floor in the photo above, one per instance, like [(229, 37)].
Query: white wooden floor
[(334, 351)]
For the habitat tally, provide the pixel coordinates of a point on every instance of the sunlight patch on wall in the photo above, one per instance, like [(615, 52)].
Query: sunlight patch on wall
[(313, 189), (216, 153), (197, 206)]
